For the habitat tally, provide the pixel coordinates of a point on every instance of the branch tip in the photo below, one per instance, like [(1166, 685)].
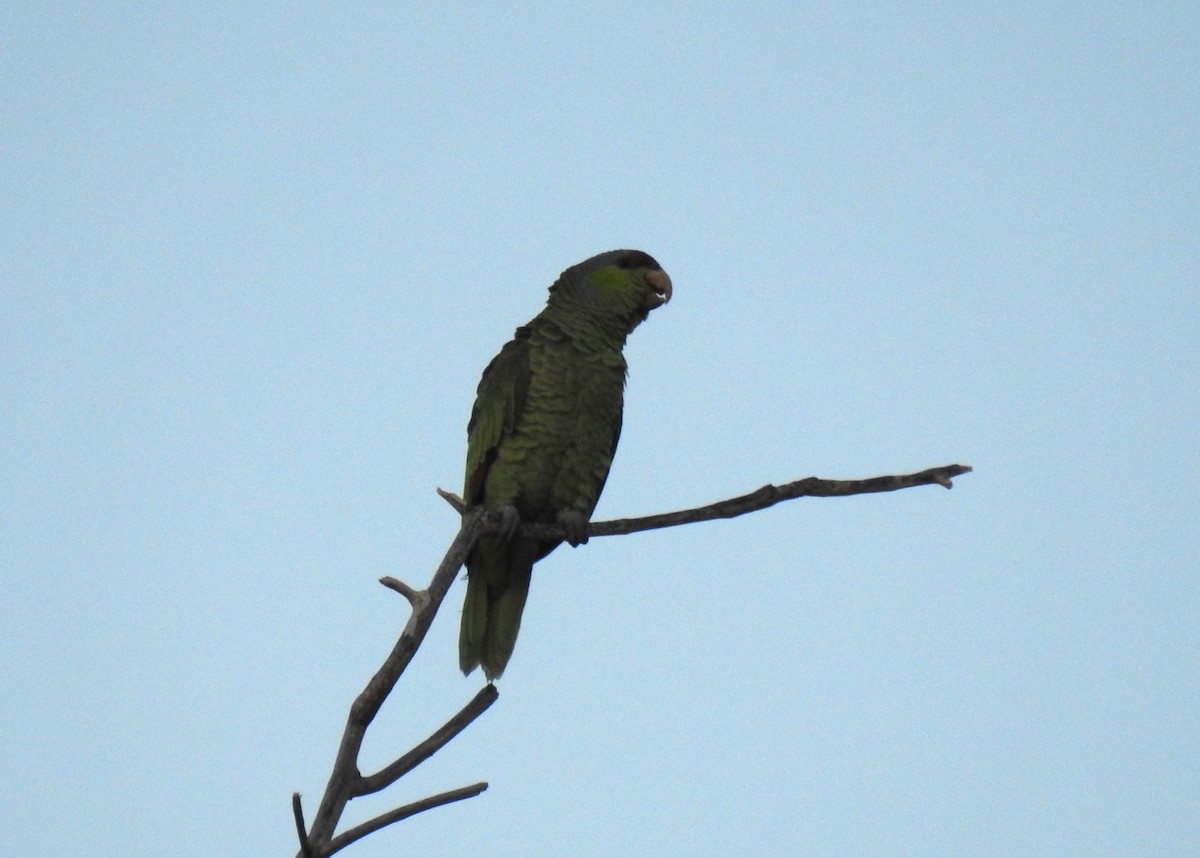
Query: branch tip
[(460, 506), (400, 587), (301, 830)]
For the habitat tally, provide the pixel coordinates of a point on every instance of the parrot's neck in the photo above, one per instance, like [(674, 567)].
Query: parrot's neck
[(589, 327)]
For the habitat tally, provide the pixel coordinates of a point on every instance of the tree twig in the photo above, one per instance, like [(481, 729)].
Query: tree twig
[(301, 830), (770, 495), (384, 819), (403, 589), (392, 772)]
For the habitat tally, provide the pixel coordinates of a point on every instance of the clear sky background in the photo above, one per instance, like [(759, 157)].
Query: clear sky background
[(253, 258)]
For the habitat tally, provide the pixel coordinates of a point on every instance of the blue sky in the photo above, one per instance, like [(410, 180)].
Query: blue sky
[(254, 258)]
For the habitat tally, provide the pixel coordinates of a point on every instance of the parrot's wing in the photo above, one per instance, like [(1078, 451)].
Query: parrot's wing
[(616, 436), (499, 402)]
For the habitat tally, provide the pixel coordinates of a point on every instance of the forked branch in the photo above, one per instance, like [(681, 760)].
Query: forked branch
[(346, 782)]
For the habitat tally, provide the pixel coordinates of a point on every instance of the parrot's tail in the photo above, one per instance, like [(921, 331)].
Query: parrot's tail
[(491, 615)]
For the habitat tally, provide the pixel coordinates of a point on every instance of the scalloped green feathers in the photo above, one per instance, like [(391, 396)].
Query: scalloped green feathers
[(543, 432)]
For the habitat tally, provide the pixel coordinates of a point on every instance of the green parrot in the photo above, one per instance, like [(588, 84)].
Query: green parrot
[(542, 435)]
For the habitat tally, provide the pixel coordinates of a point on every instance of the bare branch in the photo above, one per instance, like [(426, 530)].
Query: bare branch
[(460, 506), (301, 830), (384, 819), (770, 495), (393, 772), (403, 589), (346, 781)]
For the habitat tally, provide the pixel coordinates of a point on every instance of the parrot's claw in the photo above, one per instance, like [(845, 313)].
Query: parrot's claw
[(510, 520), (575, 524)]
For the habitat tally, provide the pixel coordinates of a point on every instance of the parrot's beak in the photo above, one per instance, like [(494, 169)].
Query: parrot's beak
[(660, 286)]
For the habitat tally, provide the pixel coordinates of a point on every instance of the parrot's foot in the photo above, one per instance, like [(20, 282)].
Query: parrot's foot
[(575, 524), (510, 519)]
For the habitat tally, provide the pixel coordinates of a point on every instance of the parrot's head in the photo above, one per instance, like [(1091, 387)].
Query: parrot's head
[(622, 285)]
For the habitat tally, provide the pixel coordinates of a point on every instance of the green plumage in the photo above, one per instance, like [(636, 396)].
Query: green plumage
[(542, 435)]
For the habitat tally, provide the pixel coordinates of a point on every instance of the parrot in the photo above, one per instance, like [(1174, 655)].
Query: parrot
[(542, 434)]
